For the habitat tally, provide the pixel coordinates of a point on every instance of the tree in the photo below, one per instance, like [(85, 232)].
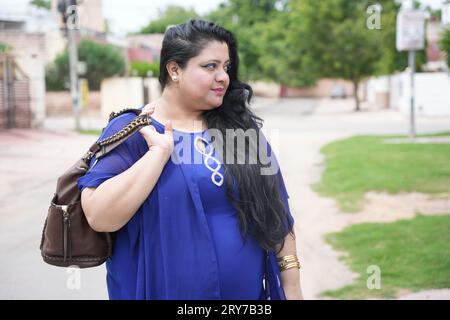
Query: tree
[(355, 54), (46, 4), (281, 52), (392, 60), (170, 16), (338, 43), (247, 19), (102, 61), (334, 39)]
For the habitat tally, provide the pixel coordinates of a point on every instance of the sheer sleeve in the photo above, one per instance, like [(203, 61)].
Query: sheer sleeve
[(119, 159), (284, 197), (279, 177)]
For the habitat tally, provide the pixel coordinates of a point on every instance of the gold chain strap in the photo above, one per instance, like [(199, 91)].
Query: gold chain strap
[(116, 114), (142, 120)]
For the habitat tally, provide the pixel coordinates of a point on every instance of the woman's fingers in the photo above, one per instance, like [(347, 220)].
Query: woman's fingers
[(168, 127), (147, 130), (148, 110)]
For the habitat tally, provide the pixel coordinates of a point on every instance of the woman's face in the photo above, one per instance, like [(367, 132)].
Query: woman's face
[(204, 80)]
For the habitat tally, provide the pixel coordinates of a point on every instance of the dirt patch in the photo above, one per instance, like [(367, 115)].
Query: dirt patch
[(384, 207)]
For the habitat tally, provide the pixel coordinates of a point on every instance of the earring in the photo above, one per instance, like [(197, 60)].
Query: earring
[(174, 78)]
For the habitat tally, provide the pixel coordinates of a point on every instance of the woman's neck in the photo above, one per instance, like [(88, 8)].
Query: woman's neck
[(170, 107)]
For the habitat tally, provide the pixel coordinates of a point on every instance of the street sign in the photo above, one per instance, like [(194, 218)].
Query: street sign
[(410, 30), (81, 68), (411, 37)]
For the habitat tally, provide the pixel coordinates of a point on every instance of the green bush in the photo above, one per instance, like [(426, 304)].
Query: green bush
[(141, 68), (102, 61), (4, 48), (55, 80), (445, 44)]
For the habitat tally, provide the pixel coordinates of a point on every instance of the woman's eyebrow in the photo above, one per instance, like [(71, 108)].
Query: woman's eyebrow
[(218, 61)]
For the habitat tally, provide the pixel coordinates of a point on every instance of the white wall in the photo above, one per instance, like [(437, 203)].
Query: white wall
[(154, 88), (432, 92), (55, 43), (376, 85), (265, 89), (119, 93)]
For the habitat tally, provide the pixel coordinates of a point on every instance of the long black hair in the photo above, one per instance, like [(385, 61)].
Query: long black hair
[(260, 208)]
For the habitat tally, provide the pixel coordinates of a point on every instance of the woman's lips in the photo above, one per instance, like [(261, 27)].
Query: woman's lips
[(219, 91)]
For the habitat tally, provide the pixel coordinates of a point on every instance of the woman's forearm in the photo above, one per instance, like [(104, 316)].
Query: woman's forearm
[(113, 203), (290, 277)]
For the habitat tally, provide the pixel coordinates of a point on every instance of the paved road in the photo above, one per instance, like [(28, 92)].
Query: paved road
[(32, 160)]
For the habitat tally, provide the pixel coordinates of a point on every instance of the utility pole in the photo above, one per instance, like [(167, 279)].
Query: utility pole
[(412, 69), (410, 37), (69, 11)]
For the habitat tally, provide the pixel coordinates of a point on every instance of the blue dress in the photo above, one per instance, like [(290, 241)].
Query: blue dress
[(184, 241)]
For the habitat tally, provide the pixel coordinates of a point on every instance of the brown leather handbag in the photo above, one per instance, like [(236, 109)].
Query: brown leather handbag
[(67, 238)]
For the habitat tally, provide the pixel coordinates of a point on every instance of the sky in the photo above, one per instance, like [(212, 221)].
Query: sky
[(130, 15)]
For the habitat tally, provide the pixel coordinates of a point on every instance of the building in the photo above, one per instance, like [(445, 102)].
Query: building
[(144, 47), (34, 39), (435, 56), (90, 14)]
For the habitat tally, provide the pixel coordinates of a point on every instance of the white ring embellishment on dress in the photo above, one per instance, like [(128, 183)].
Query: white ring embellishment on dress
[(208, 156)]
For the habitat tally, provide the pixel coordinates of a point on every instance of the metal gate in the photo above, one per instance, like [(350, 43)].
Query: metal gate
[(15, 111)]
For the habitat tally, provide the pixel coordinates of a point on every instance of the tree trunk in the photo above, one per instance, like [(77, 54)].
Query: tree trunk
[(355, 94), (283, 89)]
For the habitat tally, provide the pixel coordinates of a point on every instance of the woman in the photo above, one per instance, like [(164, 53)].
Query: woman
[(194, 227)]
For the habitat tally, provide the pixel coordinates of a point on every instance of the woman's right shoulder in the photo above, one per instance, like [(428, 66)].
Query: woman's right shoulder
[(117, 124), (135, 142)]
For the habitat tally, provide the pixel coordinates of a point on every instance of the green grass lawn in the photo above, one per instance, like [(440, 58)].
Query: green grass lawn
[(360, 164), (91, 132), (411, 254)]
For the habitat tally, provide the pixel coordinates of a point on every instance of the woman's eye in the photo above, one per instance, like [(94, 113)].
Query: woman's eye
[(211, 66)]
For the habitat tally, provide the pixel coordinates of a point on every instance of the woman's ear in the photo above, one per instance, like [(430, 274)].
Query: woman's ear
[(174, 70)]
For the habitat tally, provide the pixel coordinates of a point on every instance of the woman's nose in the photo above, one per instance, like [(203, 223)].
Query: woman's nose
[(221, 76)]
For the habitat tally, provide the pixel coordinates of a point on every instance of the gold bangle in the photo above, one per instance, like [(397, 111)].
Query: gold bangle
[(290, 265), (289, 260), (288, 257), (285, 269)]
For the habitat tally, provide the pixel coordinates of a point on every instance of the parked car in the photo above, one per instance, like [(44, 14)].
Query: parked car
[(338, 92)]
